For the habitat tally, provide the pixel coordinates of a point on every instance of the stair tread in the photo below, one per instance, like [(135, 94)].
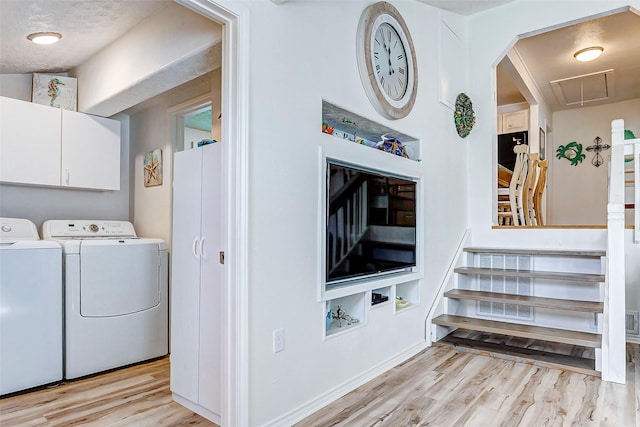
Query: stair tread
[(532, 301), (586, 339), (577, 364), (557, 275), (545, 252)]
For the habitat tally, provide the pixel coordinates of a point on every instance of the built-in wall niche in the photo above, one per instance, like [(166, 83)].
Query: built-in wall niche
[(407, 295), (354, 128), (344, 314), (380, 296)]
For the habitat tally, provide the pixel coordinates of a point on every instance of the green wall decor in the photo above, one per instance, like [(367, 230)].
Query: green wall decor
[(572, 152), (464, 116)]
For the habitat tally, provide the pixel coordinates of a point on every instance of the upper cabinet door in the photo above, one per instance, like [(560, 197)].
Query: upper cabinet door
[(29, 143), (516, 121), (90, 151)]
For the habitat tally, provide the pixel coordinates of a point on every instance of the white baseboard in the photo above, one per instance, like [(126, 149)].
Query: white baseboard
[(324, 399), (204, 412)]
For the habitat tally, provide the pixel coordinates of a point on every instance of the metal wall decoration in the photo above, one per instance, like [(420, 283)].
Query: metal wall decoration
[(597, 147), (464, 116), (572, 152)]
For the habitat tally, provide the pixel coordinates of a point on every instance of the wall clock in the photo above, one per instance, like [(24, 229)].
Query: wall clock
[(386, 60)]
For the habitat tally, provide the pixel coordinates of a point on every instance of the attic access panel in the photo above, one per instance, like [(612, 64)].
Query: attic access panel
[(579, 90)]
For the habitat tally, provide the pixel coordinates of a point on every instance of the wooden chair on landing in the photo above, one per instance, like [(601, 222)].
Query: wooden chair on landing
[(540, 186), (529, 190), (515, 204)]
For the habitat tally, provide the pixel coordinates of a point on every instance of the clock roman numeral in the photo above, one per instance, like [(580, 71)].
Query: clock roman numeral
[(378, 68), (401, 70), (375, 54), (382, 81), (400, 57), (401, 82)]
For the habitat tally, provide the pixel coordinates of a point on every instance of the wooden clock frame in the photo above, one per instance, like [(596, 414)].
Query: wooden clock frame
[(372, 17)]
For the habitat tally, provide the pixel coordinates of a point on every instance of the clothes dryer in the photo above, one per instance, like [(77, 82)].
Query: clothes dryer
[(116, 291), (30, 307)]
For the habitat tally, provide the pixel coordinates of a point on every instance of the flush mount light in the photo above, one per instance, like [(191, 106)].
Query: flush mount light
[(44, 38), (588, 54)]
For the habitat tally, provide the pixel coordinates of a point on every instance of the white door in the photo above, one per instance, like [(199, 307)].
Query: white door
[(90, 151), (185, 273), (29, 143), (212, 279)]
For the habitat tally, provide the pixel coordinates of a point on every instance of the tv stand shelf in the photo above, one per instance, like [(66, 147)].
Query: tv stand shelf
[(348, 312)]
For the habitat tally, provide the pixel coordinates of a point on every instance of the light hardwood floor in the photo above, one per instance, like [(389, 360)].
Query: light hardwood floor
[(134, 396), (442, 387), (438, 387)]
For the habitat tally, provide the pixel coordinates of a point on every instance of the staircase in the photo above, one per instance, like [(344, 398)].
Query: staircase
[(540, 296), (561, 308)]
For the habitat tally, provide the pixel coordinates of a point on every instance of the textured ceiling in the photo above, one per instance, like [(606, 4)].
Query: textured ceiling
[(549, 56), (86, 26)]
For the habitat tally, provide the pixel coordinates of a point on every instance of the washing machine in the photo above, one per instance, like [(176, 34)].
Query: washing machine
[(30, 307), (116, 289)]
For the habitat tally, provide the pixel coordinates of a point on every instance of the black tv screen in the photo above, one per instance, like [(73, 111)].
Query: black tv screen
[(370, 223)]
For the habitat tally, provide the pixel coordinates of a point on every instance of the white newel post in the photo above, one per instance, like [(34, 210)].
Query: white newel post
[(613, 332)]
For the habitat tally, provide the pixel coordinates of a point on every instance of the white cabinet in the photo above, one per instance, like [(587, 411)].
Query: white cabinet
[(515, 121), (41, 145), (90, 151), (196, 280), (30, 144)]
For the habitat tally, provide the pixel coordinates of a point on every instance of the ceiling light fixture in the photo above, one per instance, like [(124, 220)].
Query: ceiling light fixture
[(588, 54), (44, 38)]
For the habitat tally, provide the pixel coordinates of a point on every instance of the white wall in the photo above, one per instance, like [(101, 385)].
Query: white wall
[(492, 33), (17, 86), (150, 130), (578, 194), (313, 45), (39, 204)]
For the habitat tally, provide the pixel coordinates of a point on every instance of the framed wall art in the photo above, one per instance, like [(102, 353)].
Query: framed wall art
[(153, 168), (55, 91)]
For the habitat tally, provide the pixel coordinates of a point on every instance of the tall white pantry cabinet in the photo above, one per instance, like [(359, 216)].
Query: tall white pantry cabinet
[(196, 280), (46, 146)]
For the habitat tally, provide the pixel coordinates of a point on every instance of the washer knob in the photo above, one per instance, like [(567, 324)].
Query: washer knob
[(94, 228), (6, 228)]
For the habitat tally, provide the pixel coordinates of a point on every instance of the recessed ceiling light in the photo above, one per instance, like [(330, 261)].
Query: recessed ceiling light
[(588, 54), (44, 38)]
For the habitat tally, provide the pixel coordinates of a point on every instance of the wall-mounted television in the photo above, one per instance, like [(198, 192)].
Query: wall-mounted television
[(370, 223)]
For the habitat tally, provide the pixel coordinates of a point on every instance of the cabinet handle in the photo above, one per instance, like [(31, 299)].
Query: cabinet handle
[(66, 176), (194, 247), (202, 248)]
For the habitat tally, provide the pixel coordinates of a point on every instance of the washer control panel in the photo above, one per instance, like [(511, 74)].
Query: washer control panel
[(80, 229), (13, 229)]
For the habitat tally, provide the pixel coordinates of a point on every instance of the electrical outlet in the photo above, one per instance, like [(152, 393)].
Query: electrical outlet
[(278, 340)]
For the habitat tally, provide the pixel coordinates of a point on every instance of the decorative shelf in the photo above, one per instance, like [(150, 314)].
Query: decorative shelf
[(380, 296), (352, 127), (352, 313), (407, 295)]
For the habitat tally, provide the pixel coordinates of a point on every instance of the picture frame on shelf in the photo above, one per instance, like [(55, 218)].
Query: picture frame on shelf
[(55, 91)]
